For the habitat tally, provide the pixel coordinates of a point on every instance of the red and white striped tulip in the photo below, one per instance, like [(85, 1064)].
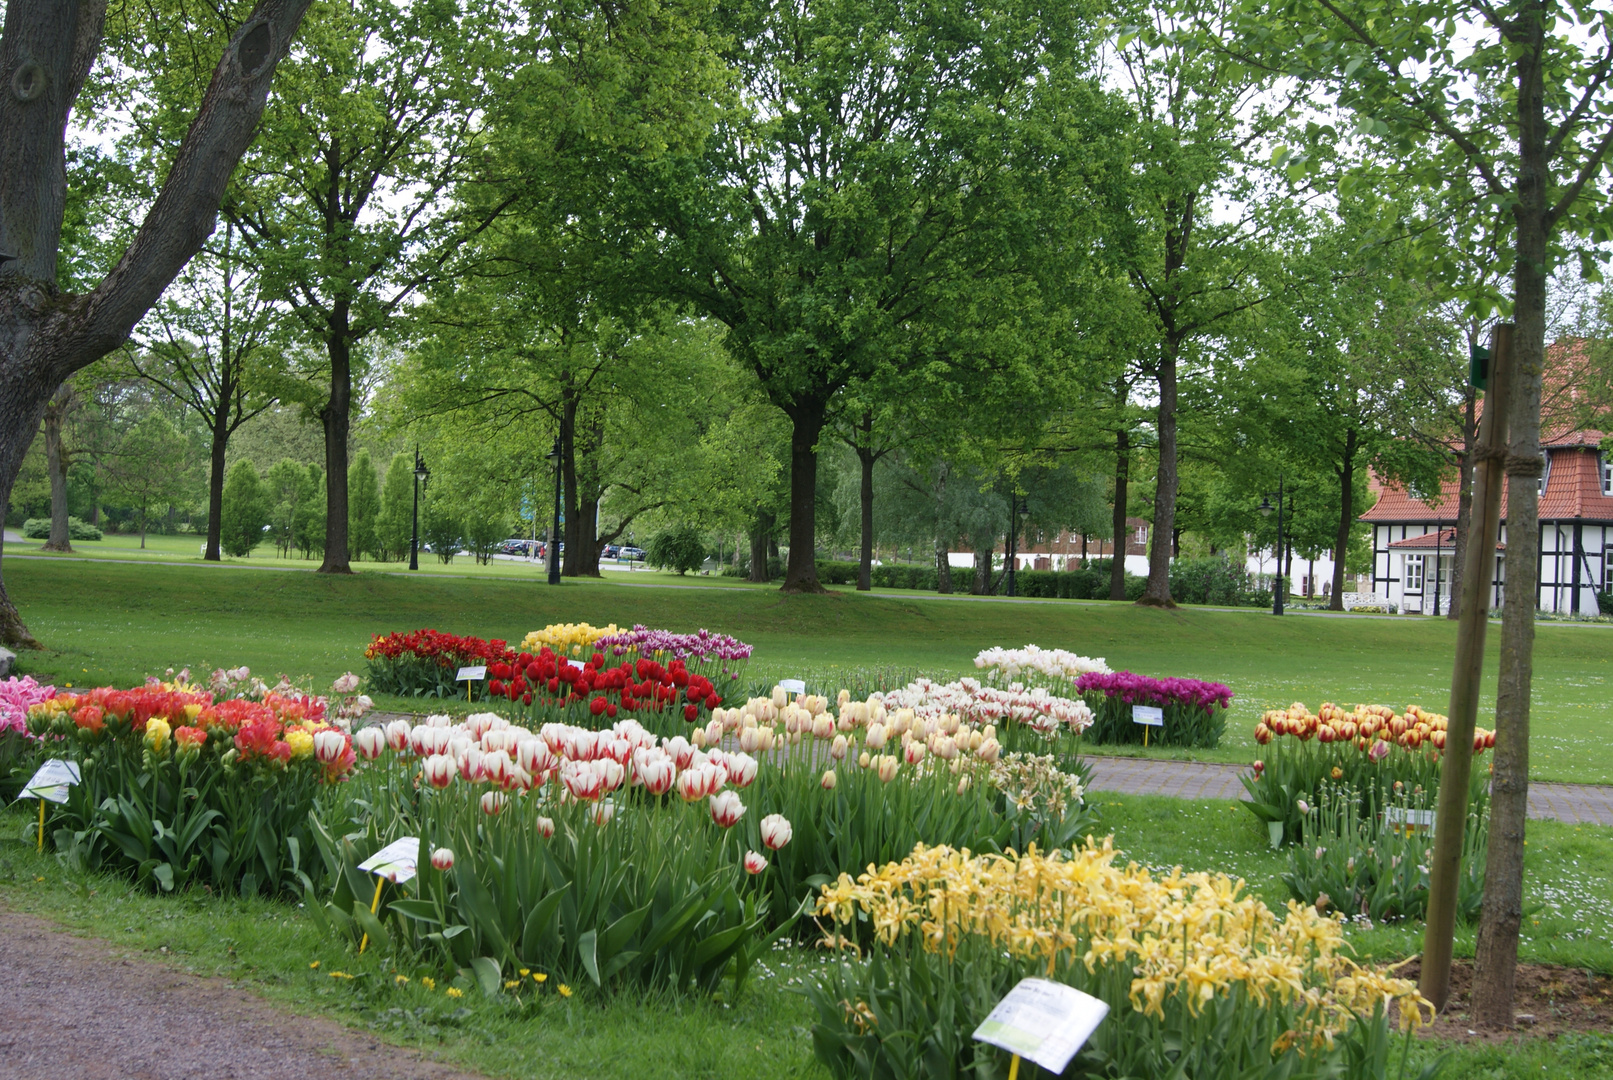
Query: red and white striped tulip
[(776, 831)]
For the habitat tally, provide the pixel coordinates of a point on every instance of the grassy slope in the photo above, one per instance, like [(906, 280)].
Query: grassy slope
[(117, 622)]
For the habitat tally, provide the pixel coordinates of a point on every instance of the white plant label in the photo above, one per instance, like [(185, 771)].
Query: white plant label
[(52, 781), (1409, 819), (471, 673), (1152, 715), (793, 686), (1043, 1021), (578, 664), (397, 862)]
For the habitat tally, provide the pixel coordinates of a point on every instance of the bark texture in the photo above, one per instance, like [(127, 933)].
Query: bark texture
[(46, 50), (1464, 498), (1117, 568), (1157, 593), (1341, 540), (801, 572), (760, 534), (1496, 951), (56, 466)]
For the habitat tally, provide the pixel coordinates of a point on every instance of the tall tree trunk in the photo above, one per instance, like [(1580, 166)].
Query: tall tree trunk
[(220, 423), (336, 417), (1464, 497), (1341, 539), (801, 575), (761, 532), (56, 465), (981, 585), (1157, 593), (1117, 568), (1496, 952), (865, 568), (943, 535)]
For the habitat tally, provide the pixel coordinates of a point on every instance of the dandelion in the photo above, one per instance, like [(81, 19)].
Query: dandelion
[(340, 975), (428, 983), (314, 966), (455, 992), (539, 977), (401, 980), (511, 984), (565, 991)]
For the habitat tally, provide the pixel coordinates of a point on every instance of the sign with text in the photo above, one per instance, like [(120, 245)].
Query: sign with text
[(397, 862), (1043, 1021), (52, 781), (471, 673), (793, 686), (1152, 715), (1402, 818)]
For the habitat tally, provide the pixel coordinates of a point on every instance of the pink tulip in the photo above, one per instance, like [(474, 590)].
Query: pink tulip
[(443, 858), (726, 809), (346, 684), (755, 862)]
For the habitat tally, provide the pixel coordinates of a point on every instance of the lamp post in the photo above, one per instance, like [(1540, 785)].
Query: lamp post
[(1019, 510), (554, 532), (422, 476), (1277, 580)]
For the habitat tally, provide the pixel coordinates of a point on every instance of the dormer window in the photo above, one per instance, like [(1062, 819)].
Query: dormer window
[(1545, 472), (1607, 475)]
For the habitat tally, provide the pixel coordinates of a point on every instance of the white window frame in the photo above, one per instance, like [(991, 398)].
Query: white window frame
[(1545, 471), (1414, 565), (1607, 474)]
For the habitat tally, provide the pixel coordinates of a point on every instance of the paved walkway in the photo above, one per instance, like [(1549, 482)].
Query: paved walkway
[(1577, 804)]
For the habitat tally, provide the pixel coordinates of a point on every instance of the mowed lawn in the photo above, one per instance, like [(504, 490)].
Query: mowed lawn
[(117, 622)]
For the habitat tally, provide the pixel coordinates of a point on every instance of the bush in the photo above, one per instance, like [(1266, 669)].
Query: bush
[(1087, 582), (902, 576), (679, 549), (246, 510), (1214, 581), (39, 529), (837, 573)]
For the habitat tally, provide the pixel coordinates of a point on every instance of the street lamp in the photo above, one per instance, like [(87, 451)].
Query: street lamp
[(554, 533), (1020, 511), (1265, 511), (422, 477)]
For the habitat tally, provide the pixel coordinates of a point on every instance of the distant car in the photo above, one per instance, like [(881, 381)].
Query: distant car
[(518, 547), (610, 551), (631, 553)]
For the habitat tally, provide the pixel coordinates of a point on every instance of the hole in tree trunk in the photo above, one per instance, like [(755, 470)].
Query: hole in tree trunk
[(252, 54)]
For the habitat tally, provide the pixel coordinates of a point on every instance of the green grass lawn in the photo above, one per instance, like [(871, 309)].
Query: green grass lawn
[(105, 621), (764, 1033)]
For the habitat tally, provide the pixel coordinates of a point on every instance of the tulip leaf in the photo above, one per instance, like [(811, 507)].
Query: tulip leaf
[(586, 945), (539, 931), (486, 970)]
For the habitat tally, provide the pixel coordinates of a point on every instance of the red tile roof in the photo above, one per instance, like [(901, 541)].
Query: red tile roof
[(1447, 540), (1573, 490)]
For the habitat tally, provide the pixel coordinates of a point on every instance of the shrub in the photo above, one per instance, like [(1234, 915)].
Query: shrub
[(838, 573), (39, 529), (1087, 582), (246, 510), (1214, 581), (679, 549)]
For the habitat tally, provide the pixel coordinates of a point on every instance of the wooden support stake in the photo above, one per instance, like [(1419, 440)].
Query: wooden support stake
[(41, 848), (375, 906), (1456, 765)]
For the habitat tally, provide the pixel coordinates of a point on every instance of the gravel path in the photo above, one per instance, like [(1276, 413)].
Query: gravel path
[(1577, 804), (72, 1010)]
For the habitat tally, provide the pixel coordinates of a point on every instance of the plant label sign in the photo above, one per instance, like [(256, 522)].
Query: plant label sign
[(1408, 820), (471, 673), (1043, 1021), (1152, 715), (396, 862), (52, 781), (793, 686)]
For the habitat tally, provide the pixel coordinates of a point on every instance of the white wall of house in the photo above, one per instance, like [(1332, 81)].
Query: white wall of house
[(1404, 578)]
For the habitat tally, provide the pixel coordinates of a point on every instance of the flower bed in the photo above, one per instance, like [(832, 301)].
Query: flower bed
[(178, 787), (17, 696), (1201, 980), (550, 688), (424, 663), (567, 639), (719, 658), (1055, 669), (1370, 748), (1194, 710)]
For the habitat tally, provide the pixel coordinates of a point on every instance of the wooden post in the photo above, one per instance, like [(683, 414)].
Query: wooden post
[(375, 905), (1456, 765)]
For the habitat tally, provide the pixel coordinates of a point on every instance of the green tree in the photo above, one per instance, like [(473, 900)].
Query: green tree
[(246, 510), (46, 342), (310, 534), (363, 504), (874, 207), (1503, 106), (679, 549), (396, 520), (440, 528), (286, 491), (149, 466)]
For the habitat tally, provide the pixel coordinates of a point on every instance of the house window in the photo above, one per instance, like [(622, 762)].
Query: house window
[(1414, 573), (1607, 475), (1545, 471)]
